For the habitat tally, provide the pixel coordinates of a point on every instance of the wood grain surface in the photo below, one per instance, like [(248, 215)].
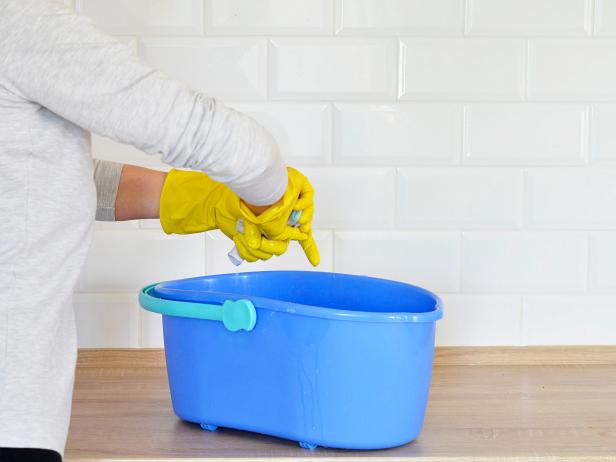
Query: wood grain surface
[(443, 356), (562, 411)]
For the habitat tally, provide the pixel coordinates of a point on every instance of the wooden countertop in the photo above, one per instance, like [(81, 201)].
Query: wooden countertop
[(563, 410)]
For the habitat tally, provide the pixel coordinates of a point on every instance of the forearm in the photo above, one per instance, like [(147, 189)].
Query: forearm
[(136, 193), (126, 192)]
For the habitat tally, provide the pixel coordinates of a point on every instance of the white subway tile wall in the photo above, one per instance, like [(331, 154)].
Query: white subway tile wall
[(529, 17), (493, 319), (413, 133), (572, 69), (523, 133), (332, 68), (606, 17), (145, 17), (560, 320), (602, 277), (125, 260), (524, 262), (107, 320), (267, 17), (467, 146), (231, 68), (461, 69), (603, 135), (571, 198), (353, 197), (426, 259), (460, 198), (405, 17)]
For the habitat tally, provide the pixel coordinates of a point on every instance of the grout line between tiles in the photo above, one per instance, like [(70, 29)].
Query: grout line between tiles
[(526, 76), (588, 261), (592, 17), (467, 17), (521, 339), (589, 132)]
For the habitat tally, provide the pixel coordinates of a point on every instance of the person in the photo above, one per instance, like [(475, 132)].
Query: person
[(61, 78)]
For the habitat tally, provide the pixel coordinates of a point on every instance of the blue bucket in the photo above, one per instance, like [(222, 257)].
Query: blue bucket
[(324, 359)]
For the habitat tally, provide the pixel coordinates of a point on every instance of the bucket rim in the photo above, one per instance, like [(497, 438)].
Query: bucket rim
[(160, 290)]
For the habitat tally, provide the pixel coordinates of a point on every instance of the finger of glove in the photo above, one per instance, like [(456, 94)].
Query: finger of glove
[(306, 229), (248, 254), (305, 199), (306, 216), (274, 247), (290, 233), (252, 235), (280, 231), (311, 250)]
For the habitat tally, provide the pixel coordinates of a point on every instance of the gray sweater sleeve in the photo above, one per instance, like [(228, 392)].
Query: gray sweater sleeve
[(107, 179), (54, 57)]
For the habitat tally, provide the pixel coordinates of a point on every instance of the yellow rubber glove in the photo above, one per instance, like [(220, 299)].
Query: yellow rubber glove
[(191, 202), (273, 221)]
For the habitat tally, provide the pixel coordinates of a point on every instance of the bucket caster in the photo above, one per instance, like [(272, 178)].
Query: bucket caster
[(305, 445), (209, 427)]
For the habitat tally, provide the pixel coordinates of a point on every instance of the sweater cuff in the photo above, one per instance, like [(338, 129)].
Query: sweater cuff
[(107, 179)]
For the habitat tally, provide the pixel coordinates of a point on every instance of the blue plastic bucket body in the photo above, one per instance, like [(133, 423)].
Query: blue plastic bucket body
[(310, 372)]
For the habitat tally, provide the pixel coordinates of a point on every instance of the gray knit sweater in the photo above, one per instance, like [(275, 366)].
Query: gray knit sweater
[(107, 179), (60, 78)]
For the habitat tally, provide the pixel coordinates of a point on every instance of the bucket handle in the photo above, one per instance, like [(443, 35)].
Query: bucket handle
[(235, 315)]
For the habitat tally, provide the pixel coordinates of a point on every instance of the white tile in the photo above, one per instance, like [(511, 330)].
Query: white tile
[(126, 261), (218, 246), (302, 130), (430, 260), (603, 135), (265, 17), (569, 320), (116, 225), (459, 197), (571, 198), (407, 17), (339, 68), (107, 320), (150, 224), (353, 197), (151, 330), (521, 261), (572, 69), (107, 149), (602, 277), (146, 17), (605, 17), (398, 133), (517, 133), (451, 68), (529, 17), (480, 320), (224, 68)]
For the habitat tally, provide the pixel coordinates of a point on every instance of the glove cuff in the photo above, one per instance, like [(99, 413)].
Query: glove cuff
[(187, 202)]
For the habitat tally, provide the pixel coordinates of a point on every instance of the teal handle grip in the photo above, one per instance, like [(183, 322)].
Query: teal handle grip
[(235, 315)]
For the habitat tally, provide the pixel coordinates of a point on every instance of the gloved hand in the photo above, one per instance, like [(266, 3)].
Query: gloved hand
[(273, 221), (191, 202)]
